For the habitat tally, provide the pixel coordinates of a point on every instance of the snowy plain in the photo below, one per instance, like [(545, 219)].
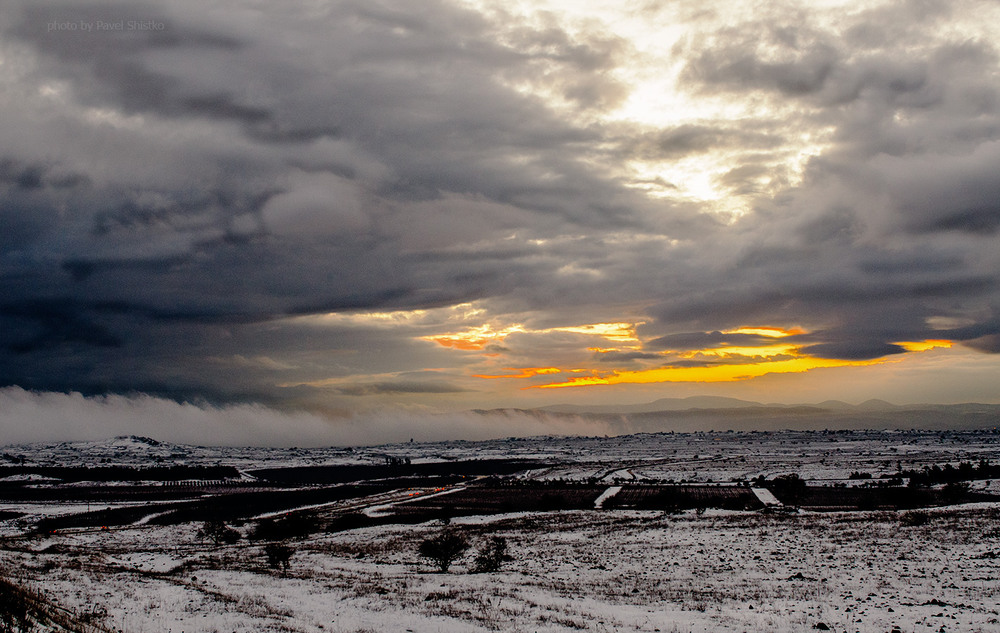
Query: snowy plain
[(571, 570)]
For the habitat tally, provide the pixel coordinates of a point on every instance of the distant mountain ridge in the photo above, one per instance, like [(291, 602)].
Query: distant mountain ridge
[(718, 402), (704, 413), (663, 404)]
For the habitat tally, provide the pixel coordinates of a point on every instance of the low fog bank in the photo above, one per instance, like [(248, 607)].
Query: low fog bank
[(27, 416)]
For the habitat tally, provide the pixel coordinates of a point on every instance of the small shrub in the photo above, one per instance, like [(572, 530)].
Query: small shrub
[(279, 556), (491, 555), (218, 532), (444, 549), (914, 518)]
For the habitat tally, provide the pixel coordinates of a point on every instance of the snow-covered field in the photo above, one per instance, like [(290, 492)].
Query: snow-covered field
[(591, 571), (594, 570), (698, 456)]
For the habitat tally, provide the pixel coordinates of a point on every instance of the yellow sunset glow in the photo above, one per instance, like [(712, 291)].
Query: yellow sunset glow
[(768, 350), (923, 346), (770, 359), (712, 373), (774, 332)]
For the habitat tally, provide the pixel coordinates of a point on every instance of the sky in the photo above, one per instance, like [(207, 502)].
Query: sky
[(367, 213)]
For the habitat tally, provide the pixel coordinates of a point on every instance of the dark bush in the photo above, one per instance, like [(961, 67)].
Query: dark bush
[(444, 549), (491, 555), (279, 556), (788, 488), (955, 491), (218, 532)]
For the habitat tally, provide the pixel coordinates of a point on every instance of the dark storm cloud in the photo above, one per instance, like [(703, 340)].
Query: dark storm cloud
[(788, 53), (171, 196), (31, 177), (624, 357), (989, 343), (52, 324), (724, 360), (381, 388), (732, 60), (106, 61), (853, 350), (701, 340), (690, 140)]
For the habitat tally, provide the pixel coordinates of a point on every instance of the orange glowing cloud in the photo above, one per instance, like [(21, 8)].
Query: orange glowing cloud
[(461, 342), (474, 339)]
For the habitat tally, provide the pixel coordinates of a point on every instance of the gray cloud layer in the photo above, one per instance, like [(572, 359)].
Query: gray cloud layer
[(170, 195)]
